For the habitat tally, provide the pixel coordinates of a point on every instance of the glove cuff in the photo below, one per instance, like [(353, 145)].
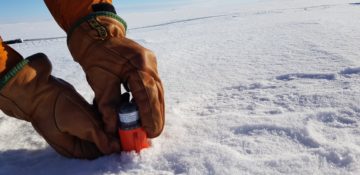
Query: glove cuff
[(103, 7), (12, 72), (93, 16)]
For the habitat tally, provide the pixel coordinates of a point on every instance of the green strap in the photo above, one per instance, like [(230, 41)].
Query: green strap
[(9, 75), (94, 15)]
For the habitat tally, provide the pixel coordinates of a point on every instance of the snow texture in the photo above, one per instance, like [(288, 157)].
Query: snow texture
[(253, 87)]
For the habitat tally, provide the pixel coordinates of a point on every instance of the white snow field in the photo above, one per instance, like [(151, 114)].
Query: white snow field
[(252, 87)]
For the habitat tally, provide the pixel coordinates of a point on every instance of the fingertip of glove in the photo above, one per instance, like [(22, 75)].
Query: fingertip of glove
[(38, 56), (41, 62), (153, 132)]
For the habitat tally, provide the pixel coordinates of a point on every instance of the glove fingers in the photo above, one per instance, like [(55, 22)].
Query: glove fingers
[(106, 87), (144, 83), (74, 116), (147, 92)]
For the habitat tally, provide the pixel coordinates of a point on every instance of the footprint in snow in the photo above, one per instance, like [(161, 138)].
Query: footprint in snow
[(350, 71), (253, 86), (335, 158), (299, 136), (336, 120), (294, 76)]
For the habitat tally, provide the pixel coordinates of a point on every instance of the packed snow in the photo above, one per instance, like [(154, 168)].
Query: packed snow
[(252, 87)]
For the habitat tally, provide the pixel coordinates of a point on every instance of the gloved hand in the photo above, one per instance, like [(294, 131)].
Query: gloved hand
[(98, 43), (54, 108)]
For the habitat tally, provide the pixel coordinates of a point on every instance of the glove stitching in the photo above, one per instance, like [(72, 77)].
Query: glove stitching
[(158, 84), (15, 104), (115, 54), (56, 147), (54, 114), (147, 94)]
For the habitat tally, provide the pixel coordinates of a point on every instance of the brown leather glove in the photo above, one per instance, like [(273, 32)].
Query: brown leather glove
[(54, 108), (97, 42)]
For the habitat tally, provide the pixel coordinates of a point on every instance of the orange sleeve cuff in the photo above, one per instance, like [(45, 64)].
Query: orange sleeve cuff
[(3, 57), (8, 58), (67, 12)]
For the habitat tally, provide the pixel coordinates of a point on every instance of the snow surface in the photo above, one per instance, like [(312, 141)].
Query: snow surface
[(252, 87)]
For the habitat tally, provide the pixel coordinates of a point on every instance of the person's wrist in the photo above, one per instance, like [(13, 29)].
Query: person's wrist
[(7, 75), (95, 20)]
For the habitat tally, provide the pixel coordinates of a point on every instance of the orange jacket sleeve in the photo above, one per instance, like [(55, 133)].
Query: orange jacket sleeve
[(3, 57), (8, 58), (67, 12)]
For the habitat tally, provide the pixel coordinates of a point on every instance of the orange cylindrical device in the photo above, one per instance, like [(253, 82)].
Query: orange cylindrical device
[(134, 139), (132, 136)]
